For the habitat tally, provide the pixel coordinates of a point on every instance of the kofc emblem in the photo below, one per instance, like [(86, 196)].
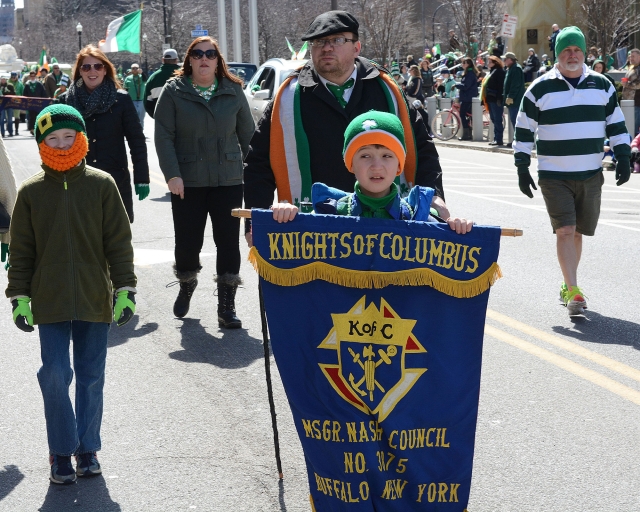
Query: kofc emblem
[(371, 346)]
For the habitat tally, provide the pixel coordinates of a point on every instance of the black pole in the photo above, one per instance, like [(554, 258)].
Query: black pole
[(164, 18), (267, 370), (334, 5), (79, 41)]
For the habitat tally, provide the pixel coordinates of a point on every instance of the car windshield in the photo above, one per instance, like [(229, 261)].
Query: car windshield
[(243, 71)]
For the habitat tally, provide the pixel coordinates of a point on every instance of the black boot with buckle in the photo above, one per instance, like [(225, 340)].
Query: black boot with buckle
[(188, 281), (227, 286)]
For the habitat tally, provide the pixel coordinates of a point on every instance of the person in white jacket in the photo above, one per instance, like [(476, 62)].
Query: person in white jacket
[(8, 194)]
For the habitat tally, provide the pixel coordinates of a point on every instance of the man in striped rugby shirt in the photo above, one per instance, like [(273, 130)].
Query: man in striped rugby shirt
[(568, 113)]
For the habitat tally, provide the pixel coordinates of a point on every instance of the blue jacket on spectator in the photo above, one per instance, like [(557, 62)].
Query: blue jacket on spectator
[(469, 86)]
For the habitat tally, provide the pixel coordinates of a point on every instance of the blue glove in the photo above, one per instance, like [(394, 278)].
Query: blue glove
[(142, 189), (22, 315), (124, 307)]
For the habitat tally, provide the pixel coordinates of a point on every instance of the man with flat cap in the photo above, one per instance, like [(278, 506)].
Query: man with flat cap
[(299, 139)]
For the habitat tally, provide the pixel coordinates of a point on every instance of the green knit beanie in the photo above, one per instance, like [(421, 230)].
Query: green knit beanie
[(570, 36), (56, 117), (374, 127)]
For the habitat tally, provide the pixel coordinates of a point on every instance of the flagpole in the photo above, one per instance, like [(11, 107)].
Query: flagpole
[(267, 370), (140, 36)]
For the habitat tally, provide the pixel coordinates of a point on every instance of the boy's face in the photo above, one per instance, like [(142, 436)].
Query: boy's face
[(61, 139), (375, 168)]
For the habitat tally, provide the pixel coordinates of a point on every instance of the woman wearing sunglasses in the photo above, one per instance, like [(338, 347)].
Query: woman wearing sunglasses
[(202, 134), (110, 117)]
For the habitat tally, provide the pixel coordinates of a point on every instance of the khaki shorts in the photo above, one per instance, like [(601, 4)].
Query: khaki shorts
[(573, 202)]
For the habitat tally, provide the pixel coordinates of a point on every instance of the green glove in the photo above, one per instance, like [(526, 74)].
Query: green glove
[(623, 170), (525, 181), (22, 315), (4, 254), (124, 307), (142, 189)]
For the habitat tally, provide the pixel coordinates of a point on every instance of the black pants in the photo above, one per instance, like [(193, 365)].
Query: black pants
[(190, 220), (465, 110)]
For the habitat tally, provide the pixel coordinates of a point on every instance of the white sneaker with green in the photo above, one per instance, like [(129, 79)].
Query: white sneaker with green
[(574, 298)]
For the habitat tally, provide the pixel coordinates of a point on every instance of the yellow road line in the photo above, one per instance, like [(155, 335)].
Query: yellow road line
[(556, 341), (158, 179), (566, 364)]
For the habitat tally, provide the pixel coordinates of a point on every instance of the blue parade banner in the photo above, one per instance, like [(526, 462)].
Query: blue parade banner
[(24, 102), (377, 329)]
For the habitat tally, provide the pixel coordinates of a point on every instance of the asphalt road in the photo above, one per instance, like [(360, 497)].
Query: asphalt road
[(187, 426)]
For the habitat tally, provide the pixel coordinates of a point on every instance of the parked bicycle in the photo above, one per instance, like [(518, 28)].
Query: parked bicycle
[(446, 123)]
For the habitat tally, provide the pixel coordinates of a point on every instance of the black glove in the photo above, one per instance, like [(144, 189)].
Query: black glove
[(525, 181), (623, 170)]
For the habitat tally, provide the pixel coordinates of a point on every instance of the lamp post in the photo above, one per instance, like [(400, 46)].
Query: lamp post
[(146, 62), (79, 30)]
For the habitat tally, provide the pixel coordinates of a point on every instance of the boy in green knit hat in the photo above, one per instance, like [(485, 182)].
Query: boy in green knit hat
[(375, 151), (70, 249)]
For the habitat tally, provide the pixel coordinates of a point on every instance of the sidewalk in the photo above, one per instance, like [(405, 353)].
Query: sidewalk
[(478, 146)]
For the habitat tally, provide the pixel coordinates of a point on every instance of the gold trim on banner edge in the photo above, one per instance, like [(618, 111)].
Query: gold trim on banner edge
[(373, 279)]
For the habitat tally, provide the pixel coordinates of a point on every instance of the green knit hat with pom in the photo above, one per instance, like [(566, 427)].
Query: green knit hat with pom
[(377, 128), (56, 117), (570, 36)]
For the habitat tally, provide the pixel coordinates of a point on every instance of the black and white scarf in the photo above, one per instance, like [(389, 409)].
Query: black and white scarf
[(96, 102)]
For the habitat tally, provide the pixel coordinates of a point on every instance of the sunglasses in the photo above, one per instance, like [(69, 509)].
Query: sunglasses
[(87, 67), (198, 54)]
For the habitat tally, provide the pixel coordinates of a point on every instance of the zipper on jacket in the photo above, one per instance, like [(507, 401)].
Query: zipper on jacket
[(73, 273)]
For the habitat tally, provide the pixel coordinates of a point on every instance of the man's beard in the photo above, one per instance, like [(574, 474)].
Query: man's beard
[(572, 67)]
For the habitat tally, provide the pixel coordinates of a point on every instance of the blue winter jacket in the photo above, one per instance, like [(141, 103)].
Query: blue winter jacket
[(468, 87)]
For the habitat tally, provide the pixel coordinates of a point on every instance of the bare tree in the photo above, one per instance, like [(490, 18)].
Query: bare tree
[(609, 23), (387, 26), (474, 16)]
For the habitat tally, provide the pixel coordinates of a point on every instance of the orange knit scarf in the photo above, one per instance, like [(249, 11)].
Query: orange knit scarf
[(63, 160)]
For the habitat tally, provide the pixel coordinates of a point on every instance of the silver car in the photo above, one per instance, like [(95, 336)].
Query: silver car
[(260, 89)]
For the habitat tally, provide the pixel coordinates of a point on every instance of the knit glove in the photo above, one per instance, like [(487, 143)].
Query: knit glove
[(525, 181), (508, 101), (623, 170), (142, 189), (124, 307), (22, 316)]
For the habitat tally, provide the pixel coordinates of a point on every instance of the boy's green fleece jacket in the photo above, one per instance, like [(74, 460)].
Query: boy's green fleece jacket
[(70, 240)]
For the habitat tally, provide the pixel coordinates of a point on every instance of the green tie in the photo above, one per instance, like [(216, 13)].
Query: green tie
[(338, 90)]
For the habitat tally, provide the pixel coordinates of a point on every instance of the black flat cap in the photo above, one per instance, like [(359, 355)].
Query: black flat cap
[(332, 22)]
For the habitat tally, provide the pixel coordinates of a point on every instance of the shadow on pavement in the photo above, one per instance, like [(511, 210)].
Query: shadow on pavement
[(596, 328), (164, 199), (283, 507), (233, 349), (88, 494), (120, 335), (10, 477)]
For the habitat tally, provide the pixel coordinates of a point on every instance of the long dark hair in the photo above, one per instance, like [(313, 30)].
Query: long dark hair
[(471, 67), (92, 51), (222, 71)]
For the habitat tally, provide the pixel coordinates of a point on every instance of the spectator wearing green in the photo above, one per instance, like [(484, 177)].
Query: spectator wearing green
[(159, 78), (513, 86), (135, 86)]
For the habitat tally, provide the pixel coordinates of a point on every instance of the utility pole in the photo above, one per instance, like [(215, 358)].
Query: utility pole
[(237, 35), (222, 27), (164, 19), (334, 5), (254, 56)]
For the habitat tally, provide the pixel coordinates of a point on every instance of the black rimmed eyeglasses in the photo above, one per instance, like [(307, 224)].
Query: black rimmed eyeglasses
[(334, 41)]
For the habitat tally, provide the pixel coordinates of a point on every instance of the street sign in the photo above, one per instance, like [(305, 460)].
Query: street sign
[(509, 23), (165, 46), (198, 27), (199, 33)]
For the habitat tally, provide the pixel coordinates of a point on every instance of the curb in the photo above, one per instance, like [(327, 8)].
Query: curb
[(485, 148)]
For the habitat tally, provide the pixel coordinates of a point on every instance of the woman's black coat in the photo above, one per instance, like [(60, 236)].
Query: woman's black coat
[(495, 85)]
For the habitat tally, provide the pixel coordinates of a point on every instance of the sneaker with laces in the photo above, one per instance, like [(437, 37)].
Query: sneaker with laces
[(575, 301), (61, 470), (87, 464)]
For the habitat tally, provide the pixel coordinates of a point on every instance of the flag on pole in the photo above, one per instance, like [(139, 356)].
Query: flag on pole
[(43, 60), (123, 34)]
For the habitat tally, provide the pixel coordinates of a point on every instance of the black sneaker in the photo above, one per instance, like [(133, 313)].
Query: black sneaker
[(61, 470), (87, 464)]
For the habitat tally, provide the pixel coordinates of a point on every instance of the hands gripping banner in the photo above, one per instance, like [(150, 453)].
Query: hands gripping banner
[(377, 330)]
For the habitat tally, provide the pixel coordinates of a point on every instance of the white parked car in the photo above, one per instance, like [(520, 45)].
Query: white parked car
[(262, 86)]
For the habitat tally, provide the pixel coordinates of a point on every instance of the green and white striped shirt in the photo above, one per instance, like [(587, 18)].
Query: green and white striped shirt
[(569, 125)]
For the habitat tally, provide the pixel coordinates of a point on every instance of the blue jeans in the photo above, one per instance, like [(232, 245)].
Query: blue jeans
[(67, 433), (141, 111), (495, 113), (6, 116), (513, 114)]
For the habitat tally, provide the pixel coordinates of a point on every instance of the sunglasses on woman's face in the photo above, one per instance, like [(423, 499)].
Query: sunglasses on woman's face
[(198, 54), (87, 67)]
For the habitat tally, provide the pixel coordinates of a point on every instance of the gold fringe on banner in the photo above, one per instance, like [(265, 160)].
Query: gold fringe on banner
[(374, 279)]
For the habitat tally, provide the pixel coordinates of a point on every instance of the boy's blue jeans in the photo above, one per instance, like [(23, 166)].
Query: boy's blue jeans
[(6, 116), (70, 433)]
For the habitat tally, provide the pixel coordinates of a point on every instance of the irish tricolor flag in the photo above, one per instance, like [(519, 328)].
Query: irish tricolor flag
[(123, 34)]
